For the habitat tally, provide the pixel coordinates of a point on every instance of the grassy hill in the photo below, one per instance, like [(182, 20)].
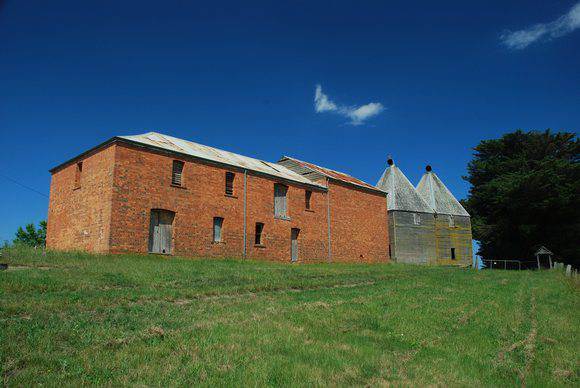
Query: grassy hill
[(79, 319)]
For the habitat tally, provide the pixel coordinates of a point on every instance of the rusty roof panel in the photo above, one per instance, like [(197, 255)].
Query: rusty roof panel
[(339, 176)]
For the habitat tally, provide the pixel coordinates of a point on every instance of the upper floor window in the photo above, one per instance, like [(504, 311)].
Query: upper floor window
[(78, 174), (280, 204), (416, 218), (177, 173), (451, 221), (307, 196), (230, 183)]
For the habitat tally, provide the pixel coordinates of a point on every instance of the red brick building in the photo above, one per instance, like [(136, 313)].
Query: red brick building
[(159, 194)]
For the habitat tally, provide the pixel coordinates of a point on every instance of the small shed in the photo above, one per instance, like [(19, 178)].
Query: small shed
[(544, 255)]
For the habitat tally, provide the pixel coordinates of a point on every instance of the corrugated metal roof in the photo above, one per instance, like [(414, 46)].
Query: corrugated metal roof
[(301, 169), (438, 196), (216, 155), (340, 176), (401, 192)]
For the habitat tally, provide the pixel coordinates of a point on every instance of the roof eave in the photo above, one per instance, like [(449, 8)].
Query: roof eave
[(117, 139), (90, 151)]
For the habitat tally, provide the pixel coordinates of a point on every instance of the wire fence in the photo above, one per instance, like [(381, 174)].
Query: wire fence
[(510, 264)]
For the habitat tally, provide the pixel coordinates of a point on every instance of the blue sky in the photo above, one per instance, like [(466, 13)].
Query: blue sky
[(441, 76)]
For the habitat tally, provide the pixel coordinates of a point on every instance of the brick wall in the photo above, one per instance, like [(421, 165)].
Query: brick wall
[(313, 236), (143, 182), (123, 183), (79, 218), (359, 228)]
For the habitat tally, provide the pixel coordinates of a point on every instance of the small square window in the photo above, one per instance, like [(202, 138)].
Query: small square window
[(307, 196), (230, 183), (78, 174), (259, 230), (177, 173), (217, 229), (416, 219), (451, 221)]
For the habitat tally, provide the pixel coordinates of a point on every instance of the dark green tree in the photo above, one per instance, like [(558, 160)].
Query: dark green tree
[(525, 192), (31, 236)]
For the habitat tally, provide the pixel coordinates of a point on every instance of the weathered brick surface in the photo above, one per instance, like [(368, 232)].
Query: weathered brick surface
[(359, 227), (312, 239), (142, 182), (80, 219)]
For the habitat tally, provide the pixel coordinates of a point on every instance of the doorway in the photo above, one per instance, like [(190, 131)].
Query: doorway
[(294, 244), (161, 231)]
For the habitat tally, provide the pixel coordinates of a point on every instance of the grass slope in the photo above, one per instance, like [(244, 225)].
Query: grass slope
[(79, 319)]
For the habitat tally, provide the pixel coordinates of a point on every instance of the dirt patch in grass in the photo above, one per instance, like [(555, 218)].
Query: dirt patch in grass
[(528, 344), (469, 314), (25, 267), (562, 374), (258, 292)]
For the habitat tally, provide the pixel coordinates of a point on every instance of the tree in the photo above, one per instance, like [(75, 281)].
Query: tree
[(31, 236), (525, 192)]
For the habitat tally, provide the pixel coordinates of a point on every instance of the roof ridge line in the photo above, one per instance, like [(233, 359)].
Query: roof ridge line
[(431, 191)]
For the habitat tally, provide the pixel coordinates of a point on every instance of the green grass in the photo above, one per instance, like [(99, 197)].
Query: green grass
[(70, 319)]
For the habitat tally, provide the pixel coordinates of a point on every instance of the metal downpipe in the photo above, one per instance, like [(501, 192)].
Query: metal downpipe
[(245, 210), (328, 218)]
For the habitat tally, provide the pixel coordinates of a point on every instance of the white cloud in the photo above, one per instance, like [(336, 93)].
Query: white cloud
[(364, 112), (322, 103), (565, 24), (356, 114)]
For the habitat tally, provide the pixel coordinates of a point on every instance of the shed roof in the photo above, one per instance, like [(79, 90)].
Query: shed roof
[(543, 251), (201, 151), (401, 193), (305, 168), (438, 196)]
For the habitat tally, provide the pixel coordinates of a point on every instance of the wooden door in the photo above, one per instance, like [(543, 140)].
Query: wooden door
[(294, 244), (161, 231)]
